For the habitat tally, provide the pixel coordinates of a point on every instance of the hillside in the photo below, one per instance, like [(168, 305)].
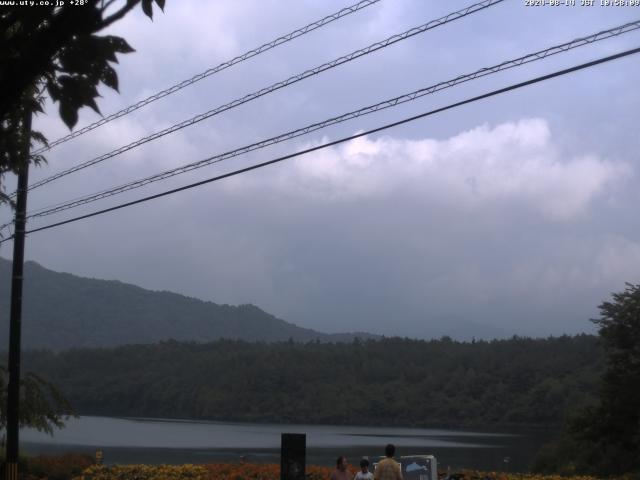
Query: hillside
[(387, 382), (62, 311)]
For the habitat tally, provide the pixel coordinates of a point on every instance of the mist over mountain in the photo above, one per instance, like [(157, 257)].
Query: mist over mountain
[(62, 311)]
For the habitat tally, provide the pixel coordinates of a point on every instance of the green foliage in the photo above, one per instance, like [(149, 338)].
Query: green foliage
[(14, 140), (42, 406), (604, 438), (389, 382), (54, 49)]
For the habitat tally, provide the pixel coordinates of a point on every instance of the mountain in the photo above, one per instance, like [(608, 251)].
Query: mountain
[(62, 311)]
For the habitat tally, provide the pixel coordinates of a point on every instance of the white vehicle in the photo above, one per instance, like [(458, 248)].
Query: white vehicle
[(417, 467)]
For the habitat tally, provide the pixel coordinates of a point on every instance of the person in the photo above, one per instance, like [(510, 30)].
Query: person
[(364, 473), (388, 468), (341, 472)]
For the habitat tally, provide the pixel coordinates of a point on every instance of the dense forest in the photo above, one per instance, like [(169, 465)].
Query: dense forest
[(388, 382)]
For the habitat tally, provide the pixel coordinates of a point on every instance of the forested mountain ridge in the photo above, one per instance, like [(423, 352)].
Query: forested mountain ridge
[(62, 311), (387, 382)]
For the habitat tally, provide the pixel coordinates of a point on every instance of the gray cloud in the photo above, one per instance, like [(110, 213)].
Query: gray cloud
[(512, 215)]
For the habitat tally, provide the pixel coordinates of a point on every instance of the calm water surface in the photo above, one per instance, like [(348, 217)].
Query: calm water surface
[(174, 441)]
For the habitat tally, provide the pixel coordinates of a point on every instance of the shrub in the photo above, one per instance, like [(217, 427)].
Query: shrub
[(59, 467)]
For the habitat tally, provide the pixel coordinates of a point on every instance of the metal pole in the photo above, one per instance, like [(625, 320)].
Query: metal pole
[(15, 325)]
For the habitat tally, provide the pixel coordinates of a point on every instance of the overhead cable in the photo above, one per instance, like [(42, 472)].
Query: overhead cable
[(531, 57), (342, 140), (276, 86), (211, 71)]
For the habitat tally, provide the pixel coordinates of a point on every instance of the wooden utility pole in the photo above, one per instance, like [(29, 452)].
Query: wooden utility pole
[(15, 325)]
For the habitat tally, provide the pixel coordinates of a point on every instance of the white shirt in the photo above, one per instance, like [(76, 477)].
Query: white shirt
[(363, 476)]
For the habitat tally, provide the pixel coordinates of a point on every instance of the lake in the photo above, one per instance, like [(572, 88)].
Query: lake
[(153, 441)]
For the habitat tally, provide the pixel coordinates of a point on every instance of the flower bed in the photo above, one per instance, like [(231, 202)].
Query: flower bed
[(250, 471), (145, 472), (58, 467), (476, 475)]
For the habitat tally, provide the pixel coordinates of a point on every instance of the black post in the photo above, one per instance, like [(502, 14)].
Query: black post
[(293, 452), (15, 325)]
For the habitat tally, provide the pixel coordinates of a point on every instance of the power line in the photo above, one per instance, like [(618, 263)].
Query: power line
[(531, 57), (276, 86), (344, 139), (211, 71)]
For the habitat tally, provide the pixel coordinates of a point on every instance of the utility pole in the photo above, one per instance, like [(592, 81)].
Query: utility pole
[(15, 325)]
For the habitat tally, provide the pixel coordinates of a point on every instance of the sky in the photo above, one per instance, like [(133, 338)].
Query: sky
[(514, 215)]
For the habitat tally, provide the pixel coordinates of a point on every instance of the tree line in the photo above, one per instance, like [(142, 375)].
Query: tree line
[(392, 381)]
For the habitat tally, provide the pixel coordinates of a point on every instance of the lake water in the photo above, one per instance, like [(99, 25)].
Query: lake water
[(126, 440)]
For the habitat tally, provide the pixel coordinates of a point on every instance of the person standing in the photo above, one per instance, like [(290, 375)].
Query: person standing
[(388, 468), (364, 473), (341, 472)]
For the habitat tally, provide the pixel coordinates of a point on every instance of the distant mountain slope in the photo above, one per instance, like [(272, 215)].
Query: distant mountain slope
[(61, 311)]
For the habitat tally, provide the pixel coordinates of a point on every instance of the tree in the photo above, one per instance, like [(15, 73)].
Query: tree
[(54, 50), (604, 439), (613, 427), (43, 407), (51, 50)]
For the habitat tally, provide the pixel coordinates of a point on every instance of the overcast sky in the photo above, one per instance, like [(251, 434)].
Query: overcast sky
[(513, 215)]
